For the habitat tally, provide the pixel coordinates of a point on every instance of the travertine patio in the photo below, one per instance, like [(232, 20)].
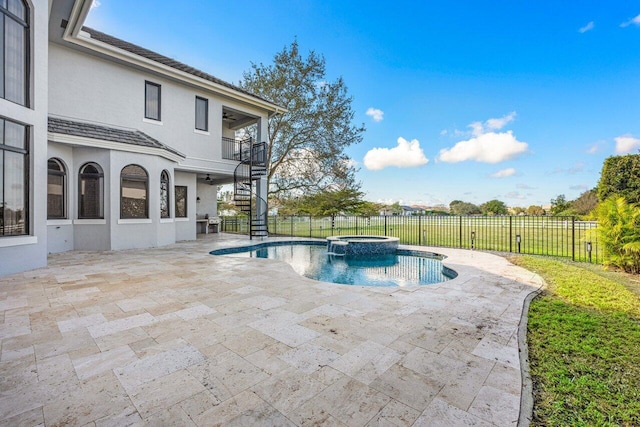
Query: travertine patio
[(175, 336)]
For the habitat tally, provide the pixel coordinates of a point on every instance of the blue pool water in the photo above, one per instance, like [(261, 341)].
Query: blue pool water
[(405, 268)]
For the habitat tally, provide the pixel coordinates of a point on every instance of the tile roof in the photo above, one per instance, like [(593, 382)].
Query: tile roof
[(105, 133), (164, 60)]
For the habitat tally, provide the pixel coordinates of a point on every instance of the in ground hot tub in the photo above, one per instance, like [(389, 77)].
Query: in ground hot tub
[(361, 245)]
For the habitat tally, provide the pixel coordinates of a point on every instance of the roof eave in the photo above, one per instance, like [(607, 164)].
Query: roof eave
[(73, 34)]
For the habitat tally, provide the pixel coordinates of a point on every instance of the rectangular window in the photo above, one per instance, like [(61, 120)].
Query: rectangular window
[(13, 179), (181, 201), (202, 113), (13, 51), (152, 101)]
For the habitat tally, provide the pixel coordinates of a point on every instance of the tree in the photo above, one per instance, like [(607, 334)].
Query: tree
[(331, 202), (620, 176), (535, 210), (518, 210), (367, 208), (458, 207), (494, 207), (560, 206), (585, 203), (306, 153)]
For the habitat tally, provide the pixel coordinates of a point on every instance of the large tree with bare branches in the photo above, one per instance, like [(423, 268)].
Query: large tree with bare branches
[(306, 154)]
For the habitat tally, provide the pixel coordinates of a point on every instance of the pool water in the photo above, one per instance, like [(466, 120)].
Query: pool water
[(313, 262)]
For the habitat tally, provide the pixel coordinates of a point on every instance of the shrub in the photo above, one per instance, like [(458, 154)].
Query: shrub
[(619, 233)]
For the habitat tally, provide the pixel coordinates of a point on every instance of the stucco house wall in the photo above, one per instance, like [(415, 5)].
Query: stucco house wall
[(19, 253)]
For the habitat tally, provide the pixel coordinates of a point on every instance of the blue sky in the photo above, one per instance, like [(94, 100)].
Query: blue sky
[(470, 100)]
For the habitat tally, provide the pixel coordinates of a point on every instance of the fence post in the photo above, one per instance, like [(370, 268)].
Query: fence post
[(420, 230), (460, 231), (385, 225), (573, 238), (309, 225), (291, 233), (356, 225), (510, 233)]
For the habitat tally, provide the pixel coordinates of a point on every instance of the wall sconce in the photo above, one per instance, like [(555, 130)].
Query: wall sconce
[(197, 199)]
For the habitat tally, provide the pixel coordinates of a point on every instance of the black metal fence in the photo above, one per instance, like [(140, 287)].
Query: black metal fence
[(536, 235)]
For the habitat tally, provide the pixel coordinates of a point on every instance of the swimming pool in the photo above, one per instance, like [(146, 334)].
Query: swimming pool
[(310, 259)]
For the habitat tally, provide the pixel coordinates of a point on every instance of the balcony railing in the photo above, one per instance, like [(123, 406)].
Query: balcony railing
[(241, 149)]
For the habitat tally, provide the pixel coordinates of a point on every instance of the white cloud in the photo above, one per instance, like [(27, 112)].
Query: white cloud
[(632, 21), (497, 124), (625, 144), (443, 132), (515, 195), (405, 155), (486, 145), (596, 146), (587, 27), (376, 114), (525, 187), (95, 3), (487, 148), (503, 173)]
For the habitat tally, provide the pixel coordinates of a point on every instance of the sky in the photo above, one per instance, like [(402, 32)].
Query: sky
[(462, 100)]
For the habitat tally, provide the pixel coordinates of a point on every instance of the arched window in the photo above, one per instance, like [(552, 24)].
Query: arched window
[(14, 49), (56, 189), (91, 192), (165, 211), (134, 192)]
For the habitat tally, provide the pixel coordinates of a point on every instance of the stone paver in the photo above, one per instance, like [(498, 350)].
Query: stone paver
[(175, 336)]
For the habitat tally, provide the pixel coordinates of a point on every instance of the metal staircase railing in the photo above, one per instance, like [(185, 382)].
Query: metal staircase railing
[(252, 166)]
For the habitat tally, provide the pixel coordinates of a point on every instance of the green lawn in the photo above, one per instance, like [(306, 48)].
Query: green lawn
[(584, 346)]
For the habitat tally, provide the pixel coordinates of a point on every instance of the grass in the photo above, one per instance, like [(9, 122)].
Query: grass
[(584, 346)]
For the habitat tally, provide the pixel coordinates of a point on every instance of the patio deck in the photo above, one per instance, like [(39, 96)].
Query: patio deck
[(175, 336)]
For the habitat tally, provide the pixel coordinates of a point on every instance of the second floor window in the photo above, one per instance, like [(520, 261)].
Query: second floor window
[(202, 114), (13, 51), (152, 101), (134, 197)]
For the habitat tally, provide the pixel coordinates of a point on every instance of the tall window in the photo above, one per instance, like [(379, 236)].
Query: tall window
[(202, 113), (151, 101), (13, 179), (164, 195), (56, 190), (181, 201), (90, 192), (134, 192), (13, 50)]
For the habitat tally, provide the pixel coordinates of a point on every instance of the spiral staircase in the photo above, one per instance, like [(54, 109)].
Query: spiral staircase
[(252, 167)]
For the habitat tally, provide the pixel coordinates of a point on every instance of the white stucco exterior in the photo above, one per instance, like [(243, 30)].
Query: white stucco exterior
[(81, 80)]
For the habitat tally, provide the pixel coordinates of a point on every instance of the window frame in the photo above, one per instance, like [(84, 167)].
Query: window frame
[(98, 177), (206, 114), (62, 173), (134, 178), (26, 174), (168, 193), (148, 83), (6, 13), (186, 198)]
